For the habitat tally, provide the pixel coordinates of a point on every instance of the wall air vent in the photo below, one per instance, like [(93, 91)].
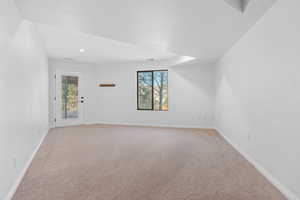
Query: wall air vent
[(150, 59), (68, 59)]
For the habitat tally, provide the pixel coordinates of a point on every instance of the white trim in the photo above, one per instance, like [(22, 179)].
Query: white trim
[(54, 100), (51, 126), (283, 189), (148, 124), (17, 182)]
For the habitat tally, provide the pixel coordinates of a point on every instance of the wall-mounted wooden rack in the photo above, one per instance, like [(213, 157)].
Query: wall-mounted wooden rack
[(107, 85)]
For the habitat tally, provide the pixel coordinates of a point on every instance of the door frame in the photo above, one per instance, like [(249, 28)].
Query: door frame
[(58, 122)]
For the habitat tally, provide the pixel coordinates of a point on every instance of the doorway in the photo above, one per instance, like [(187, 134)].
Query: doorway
[(68, 99)]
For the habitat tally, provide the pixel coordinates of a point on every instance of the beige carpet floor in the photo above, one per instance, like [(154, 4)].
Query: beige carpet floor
[(140, 163)]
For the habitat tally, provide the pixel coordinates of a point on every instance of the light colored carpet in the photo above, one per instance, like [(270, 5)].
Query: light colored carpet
[(140, 163)]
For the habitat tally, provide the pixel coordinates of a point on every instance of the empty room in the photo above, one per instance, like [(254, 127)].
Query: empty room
[(149, 100)]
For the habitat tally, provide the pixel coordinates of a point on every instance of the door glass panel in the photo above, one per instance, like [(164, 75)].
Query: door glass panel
[(69, 97)]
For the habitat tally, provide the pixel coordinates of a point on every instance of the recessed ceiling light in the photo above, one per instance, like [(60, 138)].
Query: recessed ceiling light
[(82, 50), (186, 59)]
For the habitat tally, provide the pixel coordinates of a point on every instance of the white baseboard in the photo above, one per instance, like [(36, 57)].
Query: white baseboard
[(149, 125), (14, 188), (283, 189)]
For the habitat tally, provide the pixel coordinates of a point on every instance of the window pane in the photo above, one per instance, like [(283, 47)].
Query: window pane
[(160, 86), (69, 97), (145, 90)]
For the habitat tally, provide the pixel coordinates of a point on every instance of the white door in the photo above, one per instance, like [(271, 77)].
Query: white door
[(68, 101)]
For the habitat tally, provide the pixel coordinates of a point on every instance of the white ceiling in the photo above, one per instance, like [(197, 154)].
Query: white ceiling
[(240, 5), (61, 43), (204, 29)]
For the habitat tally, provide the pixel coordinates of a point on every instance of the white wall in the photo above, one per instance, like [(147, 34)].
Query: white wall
[(24, 94), (191, 94), (258, 93)]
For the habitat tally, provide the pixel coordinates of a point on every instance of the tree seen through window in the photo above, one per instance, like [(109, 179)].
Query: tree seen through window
[(152, 90)]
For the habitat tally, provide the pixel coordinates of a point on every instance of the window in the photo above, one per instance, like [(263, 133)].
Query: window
[(152, 90)]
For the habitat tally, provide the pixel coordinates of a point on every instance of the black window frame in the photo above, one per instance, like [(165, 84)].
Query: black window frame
[(137, 88)]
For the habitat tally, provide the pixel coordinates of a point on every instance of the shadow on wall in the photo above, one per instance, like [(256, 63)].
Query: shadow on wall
[(199, 77), (230, 106), (24, 111)]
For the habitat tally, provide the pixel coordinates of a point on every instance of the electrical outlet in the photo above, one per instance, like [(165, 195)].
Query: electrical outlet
[(249, 135), (200, 117), (14, 162), (203, 116)]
